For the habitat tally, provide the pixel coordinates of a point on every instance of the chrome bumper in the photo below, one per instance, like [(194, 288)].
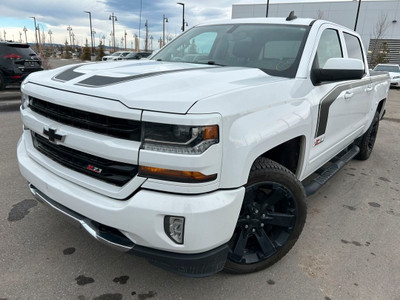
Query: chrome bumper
[(104, 234)]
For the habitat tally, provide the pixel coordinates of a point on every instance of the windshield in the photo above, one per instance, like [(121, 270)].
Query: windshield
[(275, 49), (116, 54), (387, 68)]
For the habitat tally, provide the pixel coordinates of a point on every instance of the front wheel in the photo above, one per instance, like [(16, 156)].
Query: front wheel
[(271, 218)]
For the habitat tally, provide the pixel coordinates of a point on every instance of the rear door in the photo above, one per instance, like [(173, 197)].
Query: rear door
[(340, 107)]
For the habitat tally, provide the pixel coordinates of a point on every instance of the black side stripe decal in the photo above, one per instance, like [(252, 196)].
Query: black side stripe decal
[(68, 75), (100, 81), (327, 101)]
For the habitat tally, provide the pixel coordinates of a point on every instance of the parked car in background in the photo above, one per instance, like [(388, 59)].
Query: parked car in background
[(16, 62), (394, 72), (116, 55), (135, 55)]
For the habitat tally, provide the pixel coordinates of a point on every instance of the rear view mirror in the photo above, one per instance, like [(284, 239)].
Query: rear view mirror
[(336, 69)]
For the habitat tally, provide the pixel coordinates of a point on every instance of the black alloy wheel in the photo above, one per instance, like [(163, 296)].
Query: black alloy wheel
[(270, 221), (367, 141)]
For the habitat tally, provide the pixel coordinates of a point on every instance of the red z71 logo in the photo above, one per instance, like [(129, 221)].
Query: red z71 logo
[(94, 169)]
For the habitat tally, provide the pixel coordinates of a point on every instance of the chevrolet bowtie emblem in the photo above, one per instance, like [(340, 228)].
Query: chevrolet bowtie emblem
[(53, 136)]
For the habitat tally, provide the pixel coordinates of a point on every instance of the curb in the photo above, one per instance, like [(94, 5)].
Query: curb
[(7, 107), (10, 97)]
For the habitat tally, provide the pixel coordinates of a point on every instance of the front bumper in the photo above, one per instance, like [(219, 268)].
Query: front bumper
[(137, 223), (395, 82), (191, 265)]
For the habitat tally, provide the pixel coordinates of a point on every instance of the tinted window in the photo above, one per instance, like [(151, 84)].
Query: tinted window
[(328, 47), (275, 49), (353, 46), (16, 51)]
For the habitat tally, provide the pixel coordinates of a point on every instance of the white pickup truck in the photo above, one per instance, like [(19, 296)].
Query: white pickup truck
[(201, 158)]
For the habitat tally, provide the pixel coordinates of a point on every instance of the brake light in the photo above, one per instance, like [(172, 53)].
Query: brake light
[(12, 56), (16, 77)]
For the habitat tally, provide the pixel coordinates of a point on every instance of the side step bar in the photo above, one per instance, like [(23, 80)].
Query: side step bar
[(337, 163)]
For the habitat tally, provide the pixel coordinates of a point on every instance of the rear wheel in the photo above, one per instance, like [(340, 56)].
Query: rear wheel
[(271, 218), (367, 141)]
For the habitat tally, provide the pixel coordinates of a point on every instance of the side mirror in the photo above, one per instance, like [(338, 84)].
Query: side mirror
[(336, 69)]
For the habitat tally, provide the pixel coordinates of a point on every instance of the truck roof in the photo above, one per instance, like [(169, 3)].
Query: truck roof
[(297, 21)]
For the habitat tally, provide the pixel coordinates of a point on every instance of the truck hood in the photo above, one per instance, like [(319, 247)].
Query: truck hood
[(152, 85)]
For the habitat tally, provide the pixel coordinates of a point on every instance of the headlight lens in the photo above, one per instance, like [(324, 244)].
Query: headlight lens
[(396, 77), (181, 139), (24, 101)]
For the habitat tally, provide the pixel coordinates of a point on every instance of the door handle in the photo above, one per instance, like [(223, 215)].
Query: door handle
[(348, 95), (369, 89)]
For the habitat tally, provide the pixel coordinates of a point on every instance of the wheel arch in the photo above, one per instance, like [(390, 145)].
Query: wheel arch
[(381, 108)]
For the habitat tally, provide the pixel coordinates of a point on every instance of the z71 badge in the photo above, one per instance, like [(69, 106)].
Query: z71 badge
[(94, 169)]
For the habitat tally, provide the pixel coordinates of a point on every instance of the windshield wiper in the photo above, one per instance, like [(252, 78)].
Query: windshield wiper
[(211, 62)]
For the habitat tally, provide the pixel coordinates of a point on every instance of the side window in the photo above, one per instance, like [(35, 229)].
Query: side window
[(328, 47), (353, 46)]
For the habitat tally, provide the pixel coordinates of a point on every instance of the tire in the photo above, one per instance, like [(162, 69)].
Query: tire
[(2, 82), (367, 141), (270, 220)]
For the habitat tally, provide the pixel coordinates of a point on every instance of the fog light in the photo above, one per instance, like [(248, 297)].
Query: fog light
[(174, 228)]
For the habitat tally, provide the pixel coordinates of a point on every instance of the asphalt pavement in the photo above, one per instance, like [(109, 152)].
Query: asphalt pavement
[(349, 248)]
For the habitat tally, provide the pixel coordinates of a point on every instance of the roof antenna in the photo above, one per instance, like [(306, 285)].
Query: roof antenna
[(291, 16)]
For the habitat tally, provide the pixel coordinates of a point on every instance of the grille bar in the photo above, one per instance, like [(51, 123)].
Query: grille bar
[(112, 172), (111, 126)]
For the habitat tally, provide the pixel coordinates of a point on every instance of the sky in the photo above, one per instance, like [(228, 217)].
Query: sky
[(57, 16)]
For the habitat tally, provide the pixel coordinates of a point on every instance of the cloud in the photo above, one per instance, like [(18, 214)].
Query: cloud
[(58, 15)]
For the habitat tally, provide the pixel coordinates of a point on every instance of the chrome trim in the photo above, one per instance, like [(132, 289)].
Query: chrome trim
[(83, 222)]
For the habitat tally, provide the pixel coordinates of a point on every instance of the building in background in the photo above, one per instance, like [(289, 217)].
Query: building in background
[(378, 22)]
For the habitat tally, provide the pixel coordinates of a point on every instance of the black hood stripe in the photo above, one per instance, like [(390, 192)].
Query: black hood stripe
[(100, 81), (68, 74)]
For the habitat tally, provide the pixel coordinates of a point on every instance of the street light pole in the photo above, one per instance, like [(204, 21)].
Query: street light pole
[(183, 15), (91, 30), (40, 42), (51, 42), (69, 29), (113, 18), (165, 20), (25, 30), (358, 12), (37, 44)]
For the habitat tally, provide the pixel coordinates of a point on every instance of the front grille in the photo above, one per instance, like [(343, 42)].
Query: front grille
[(112, 172), (111, 126)]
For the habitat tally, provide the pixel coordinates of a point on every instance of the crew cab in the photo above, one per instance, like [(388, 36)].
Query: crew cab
[(201, 158)]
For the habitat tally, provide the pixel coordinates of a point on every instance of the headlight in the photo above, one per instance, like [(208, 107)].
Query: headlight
[(24, 101), (181, 139), (396, 77)]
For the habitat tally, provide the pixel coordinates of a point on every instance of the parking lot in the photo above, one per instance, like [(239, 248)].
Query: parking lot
[(349, 248)]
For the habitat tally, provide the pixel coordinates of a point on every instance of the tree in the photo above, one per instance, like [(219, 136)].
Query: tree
[(320, 14), (86, 52), (67, 53), (192, 48), (381, 57), (379, 31), (100, 51)]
